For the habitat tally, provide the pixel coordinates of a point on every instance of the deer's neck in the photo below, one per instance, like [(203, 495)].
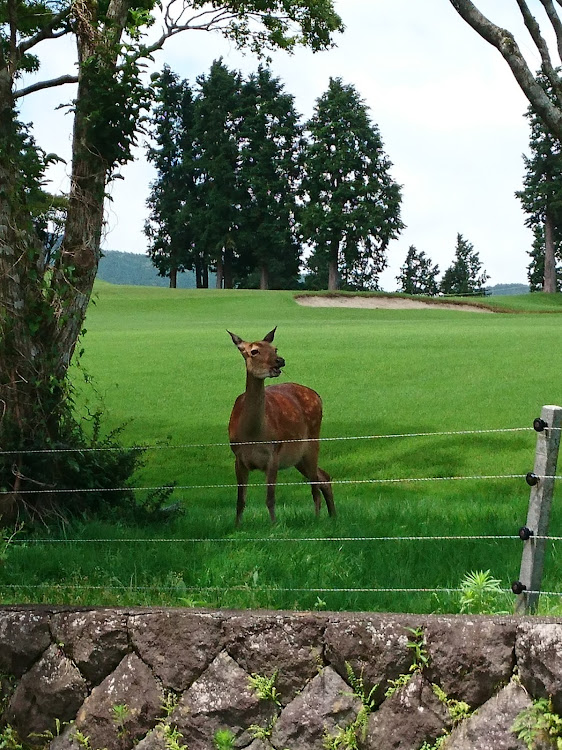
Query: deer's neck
[(253, 417)]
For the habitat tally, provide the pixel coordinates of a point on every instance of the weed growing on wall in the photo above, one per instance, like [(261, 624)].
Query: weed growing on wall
[(539, 726), (264, 687), (224, 739)]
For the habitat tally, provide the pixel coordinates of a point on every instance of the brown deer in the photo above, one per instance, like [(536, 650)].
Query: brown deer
[(265, 417)]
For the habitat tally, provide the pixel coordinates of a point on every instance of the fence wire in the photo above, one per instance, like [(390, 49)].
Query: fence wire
[(256, 589), (277, 540), (165, 487), (185, 446)]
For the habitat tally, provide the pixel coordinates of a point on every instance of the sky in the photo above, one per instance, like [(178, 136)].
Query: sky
[(450, 114)]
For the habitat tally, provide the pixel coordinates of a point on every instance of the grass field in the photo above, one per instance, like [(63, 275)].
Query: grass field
[(162, 362)]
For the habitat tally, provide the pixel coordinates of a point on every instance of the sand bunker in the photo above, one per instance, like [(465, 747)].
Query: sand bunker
[(383, 303)]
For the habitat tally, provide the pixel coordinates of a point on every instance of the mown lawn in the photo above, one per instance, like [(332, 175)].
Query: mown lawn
[(162, 362)]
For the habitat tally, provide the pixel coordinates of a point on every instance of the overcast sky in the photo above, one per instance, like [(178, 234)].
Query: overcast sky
[(448, 108)]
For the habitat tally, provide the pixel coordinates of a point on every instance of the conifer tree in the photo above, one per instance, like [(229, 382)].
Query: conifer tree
[(269, 140), (217, 165), (352, 203), (418, 275), (169, 228), (465, 274)]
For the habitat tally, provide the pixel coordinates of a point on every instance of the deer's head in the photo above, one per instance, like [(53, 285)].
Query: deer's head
[(260, 356)]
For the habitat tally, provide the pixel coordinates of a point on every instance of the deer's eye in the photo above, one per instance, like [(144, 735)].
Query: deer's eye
[(253, 352)]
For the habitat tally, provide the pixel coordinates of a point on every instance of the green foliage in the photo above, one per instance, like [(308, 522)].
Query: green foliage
[(437, 745), (9, 739), (111, 104), (420, 660), (120, 712), (465, 274), (344, 738), (285, 25), (81, 739), (352, 204), (539, 726), (224, 739), (395, 685), (418, 649), (347, 737), (258, 732), (481, 594), (458, 710), (417, 275), (359, 690), (264, 687)]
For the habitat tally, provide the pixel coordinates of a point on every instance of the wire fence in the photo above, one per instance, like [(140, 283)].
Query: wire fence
[(241, 539)]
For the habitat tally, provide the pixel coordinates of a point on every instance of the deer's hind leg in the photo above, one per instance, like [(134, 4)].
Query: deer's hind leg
[(320, 483), (326, 488)]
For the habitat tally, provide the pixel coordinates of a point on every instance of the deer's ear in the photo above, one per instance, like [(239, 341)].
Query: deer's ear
[(269, 336), (237, 341)]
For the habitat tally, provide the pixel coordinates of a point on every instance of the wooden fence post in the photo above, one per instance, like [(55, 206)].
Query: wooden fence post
[(538, 516)]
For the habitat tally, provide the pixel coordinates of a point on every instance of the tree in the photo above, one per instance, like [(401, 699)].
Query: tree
[(541, 199), (216, 136), (352, 204), (172, 194), (43, 298), (465, 274), (417, 275), (269, 171), (549, 109)]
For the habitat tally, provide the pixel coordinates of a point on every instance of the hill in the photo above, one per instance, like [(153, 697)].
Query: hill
[(503, 289), (136, 269)]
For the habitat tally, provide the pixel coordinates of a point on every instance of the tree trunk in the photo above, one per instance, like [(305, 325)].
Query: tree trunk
[(30, 394), (333, 275), (220, 273), (549, 283), (264, 277), (228, 277), (173, 278), (42, 309)]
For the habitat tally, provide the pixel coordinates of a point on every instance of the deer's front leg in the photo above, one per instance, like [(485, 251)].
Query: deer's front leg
[(271, 479), (242, 474)]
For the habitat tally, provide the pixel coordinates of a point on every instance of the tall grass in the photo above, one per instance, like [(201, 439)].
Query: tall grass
[(163, 362)]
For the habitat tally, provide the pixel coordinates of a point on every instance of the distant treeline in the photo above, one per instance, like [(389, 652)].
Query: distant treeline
[(136, 269)]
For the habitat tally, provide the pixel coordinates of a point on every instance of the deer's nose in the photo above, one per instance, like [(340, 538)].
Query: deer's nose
[(280, 362)]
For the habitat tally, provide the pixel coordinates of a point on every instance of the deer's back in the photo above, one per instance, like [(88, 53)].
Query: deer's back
[(291, 408), (292, 412)]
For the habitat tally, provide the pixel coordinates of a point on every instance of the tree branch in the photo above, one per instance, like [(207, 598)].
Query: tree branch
[(504, 41), (200, 22), (40, 85), (46, 32), (541, 45), (554, 19)]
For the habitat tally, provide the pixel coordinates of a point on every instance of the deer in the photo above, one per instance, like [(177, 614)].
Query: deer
[(264, 418)]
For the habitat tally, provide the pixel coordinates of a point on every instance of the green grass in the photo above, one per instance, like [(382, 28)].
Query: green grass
[(163, 362)]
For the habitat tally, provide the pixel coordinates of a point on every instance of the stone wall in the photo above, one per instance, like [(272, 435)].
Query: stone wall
[(160, 679)]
